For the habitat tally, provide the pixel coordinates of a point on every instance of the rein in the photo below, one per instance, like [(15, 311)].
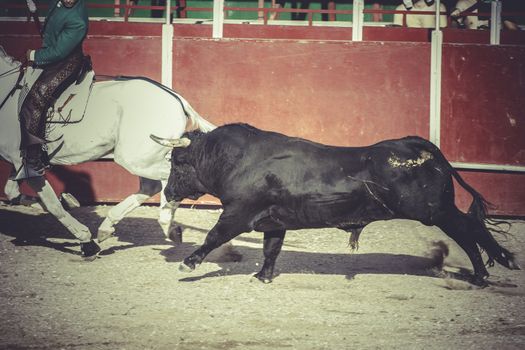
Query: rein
[(37, 24), (17, 86), (9, 72)]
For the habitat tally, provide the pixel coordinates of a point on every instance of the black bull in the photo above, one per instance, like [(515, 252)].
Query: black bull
[(271, 183)]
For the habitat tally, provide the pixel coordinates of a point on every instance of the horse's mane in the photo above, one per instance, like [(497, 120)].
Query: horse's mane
[(8, 59)]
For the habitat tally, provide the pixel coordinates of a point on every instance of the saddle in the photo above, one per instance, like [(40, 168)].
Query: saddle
[(71, 105)]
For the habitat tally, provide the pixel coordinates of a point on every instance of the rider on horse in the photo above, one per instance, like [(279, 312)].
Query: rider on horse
[(60, 59)]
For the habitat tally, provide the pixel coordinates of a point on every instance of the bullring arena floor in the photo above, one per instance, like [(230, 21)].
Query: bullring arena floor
[(387, 295)]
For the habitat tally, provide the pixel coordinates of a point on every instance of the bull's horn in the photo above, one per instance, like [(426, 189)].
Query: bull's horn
[(182, 142)]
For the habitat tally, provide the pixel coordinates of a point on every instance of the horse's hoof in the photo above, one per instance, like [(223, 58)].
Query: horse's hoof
[(16, 200), (69, 201), (185, 268), (89, 250), (102, 235)]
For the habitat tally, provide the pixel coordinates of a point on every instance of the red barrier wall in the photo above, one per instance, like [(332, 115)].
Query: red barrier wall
[(331, 91), (483, 104)]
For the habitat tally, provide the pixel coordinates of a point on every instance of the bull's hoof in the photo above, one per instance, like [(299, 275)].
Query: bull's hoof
[(89, 250), (479, 281), (102, 235), (260, 278), (175, 235), (185, 268), (513, 265)]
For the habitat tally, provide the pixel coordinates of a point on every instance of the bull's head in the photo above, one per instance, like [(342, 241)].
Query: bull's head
[(183, 181)]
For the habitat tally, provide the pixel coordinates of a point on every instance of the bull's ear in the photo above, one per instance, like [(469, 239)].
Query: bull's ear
[(182, 142)]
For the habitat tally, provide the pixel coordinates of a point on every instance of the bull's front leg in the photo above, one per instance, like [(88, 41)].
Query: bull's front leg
[(221, 233), (273, 242)]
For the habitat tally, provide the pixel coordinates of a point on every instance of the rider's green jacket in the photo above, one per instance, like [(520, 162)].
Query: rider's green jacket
[(64, 30)]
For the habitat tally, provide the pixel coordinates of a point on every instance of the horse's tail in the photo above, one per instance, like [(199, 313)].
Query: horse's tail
[(196, 121)]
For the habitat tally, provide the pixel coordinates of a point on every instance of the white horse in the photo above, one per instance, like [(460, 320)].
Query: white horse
[(118, 120)]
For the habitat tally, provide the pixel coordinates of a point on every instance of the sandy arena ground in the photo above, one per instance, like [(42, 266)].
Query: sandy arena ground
[(387, 295)]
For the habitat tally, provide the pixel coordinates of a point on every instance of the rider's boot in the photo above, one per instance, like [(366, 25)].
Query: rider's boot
[(32, 165)]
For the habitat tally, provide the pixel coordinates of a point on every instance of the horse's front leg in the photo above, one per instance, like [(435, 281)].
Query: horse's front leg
[(166, 216), (52, 205)]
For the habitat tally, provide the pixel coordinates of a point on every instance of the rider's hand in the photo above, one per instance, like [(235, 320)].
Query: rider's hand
[(31, 6), (29, 57)]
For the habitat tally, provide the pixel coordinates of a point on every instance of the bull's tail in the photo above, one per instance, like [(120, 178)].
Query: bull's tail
[(485, 239), (478, 207), (478, 216)]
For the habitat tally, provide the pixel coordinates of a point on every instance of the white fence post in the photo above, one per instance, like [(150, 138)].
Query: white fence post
[(495, 22), (435, 80), (357, 20), (218, 18), (167, 49)]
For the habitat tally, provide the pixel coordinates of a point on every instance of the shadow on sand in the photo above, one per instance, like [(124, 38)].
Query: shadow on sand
[(36, 230)]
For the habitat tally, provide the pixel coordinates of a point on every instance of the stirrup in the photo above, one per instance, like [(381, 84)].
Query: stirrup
[(26, 172)]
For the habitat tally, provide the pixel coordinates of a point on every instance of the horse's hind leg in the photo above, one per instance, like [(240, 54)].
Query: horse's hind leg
[(52, 204), (148, 188), (463, 229)]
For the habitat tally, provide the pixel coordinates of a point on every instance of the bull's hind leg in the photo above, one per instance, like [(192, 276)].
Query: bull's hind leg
[(273, 242), (495, 252), (148, 188), (463, 229)]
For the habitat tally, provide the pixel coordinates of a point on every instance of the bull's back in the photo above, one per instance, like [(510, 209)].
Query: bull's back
[(300, 183), (277, 161)]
